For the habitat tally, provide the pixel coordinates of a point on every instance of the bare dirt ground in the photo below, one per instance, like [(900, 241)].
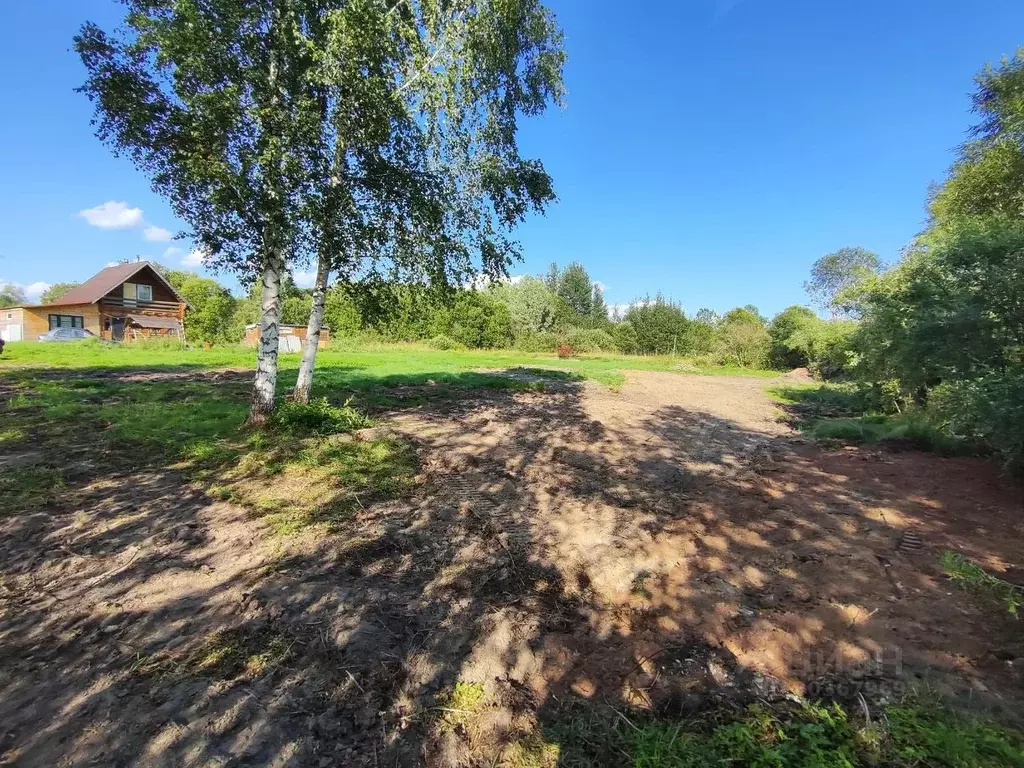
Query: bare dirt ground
[(666, 547)]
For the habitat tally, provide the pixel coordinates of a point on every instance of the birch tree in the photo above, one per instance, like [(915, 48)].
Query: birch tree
[(212, 101), (418, 169)]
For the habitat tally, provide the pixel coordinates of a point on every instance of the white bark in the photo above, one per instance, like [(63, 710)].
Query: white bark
[(316, 320), (265, 384)]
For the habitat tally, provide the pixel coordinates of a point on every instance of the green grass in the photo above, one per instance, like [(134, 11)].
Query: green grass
[(838, 412), (380, 363), (911, 734)]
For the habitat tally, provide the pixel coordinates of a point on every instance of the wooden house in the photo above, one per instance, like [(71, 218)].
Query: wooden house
[(121, 303)]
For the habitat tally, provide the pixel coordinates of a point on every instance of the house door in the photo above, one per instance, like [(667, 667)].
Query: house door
[(117, 328)]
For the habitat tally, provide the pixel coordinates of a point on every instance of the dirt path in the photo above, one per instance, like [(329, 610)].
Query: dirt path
[(664, 547)]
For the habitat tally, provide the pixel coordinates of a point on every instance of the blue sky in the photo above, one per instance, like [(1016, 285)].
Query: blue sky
[(709, 149)]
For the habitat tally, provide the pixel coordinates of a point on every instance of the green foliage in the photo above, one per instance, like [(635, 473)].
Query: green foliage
[(826, 345), (742, 339), (661, 326), (443, 342), (914, 428), (987, 179), (478, 321), (746, 314), (318, 417), (598, 308), (11, 295), (988, 410), (590, 340), (210, 317), (460, 705), (341, 313), (911, 734), (577, 289), (56, 291), (834, 275), (703, 333), (531, 304), (537, 342), (626, 339), (295, 310), (970, 575), (927, 734), (950, 310), (783, 354)]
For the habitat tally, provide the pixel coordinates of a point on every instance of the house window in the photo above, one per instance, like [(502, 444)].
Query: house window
[(144, 292), (66, 321)]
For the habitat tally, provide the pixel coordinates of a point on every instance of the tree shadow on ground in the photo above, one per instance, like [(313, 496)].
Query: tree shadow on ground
[(675, 563)]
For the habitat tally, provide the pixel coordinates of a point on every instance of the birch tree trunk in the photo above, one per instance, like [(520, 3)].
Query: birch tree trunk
[(265, 384), (316, 321)]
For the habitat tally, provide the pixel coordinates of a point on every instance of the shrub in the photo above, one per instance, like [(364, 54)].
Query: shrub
[(566, 350), (660, 326), (988, 410), (443, 342), (537, 342), (590, 340), (625, 338), (742, 343), (970, 575), (318, 417)]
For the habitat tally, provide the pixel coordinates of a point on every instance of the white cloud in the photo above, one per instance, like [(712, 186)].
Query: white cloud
[(618, 310), (112, 263), (304, 279), (32, 291), (172, 251), (113, 214), (157, 234), (603, 288), (193, 258)]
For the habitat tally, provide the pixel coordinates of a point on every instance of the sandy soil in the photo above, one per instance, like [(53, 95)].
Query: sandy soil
[(666, 547)]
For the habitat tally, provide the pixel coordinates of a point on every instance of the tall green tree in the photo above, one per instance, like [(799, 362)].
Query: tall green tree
[(417, 170), (661, 326), (576, 289), (213, 102), (531, 304), (210, 317), (783, 326), (987, 178), (598, 308), (834, 274), (11, 295)]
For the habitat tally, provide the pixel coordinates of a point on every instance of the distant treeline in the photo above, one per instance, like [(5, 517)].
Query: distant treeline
[(532, 313)]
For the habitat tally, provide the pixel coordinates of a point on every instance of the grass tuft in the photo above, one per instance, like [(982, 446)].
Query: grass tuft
[(970, 575), (914, 733), (460, 706), (318, 417)]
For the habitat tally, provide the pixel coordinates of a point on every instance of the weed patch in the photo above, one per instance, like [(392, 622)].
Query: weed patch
[(27, 488), (912, 734), (318, 417), (459, 707), (970, 575)]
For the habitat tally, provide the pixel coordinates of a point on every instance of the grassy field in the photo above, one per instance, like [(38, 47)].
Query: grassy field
[(381, 364)]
